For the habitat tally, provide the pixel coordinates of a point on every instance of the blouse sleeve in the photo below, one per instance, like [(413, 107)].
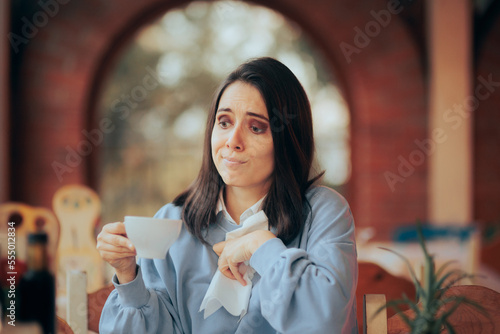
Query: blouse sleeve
[(137, 307), (133, 308), (312, 289)]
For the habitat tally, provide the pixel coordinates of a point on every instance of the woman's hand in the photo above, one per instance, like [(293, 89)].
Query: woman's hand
[(118, 251), (232, 253)]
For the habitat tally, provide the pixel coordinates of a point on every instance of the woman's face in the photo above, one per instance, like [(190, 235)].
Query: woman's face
[(242, 144)]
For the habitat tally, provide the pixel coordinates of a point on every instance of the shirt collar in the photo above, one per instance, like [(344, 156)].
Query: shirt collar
[(221, 206)]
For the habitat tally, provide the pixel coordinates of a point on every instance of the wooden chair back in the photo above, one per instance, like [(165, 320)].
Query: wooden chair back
[(373, 279), (466, 319), (78, 209), (96, 301)]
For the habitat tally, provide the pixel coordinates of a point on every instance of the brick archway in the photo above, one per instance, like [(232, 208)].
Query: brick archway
[(382, 81)]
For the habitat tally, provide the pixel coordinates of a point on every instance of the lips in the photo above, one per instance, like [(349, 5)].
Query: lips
[(228, 161)]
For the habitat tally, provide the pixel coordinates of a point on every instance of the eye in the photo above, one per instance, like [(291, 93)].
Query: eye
[(224, 122), (258, 127)]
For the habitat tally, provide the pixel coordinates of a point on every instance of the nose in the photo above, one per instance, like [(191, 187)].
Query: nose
[(235, 140)]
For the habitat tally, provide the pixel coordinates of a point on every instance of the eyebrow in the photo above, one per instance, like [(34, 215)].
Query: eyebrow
[(249, 113)]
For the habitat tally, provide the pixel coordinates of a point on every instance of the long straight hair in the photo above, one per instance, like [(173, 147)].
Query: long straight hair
[(290, 120)]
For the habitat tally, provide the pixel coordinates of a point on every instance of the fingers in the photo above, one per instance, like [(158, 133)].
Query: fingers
[(114, 247), (113, 257), (122, 251), (114, 234), (230, 269), (219, 247), (115, 228), (236, 273), (226, 272)]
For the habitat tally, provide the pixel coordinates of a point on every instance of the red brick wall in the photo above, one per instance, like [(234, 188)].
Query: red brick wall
[(384, 86), (383, 81), (487, 133), (4, 102), (487, 142), (61, 65)]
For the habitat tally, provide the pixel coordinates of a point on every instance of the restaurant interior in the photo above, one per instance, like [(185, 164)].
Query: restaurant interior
[(103, 107)]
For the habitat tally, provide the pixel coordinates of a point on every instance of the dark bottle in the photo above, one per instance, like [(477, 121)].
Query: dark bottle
[(37, 290)]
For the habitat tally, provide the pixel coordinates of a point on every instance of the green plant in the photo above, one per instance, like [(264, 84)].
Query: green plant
[(432, 308)]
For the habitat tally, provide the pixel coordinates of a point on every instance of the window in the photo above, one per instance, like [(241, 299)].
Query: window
[(159, 92)]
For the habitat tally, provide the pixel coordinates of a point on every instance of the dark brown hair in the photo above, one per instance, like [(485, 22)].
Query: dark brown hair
[(290, 120)]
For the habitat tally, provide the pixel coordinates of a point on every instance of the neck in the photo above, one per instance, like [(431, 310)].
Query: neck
[(237, 200)]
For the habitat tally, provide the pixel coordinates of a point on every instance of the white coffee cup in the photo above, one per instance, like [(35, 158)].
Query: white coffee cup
[(152, 237)]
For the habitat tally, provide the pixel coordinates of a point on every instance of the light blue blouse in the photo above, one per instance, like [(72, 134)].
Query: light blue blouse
[(307, 286)]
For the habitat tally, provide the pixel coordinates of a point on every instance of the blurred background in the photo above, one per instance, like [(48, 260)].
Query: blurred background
[(157, 141), (113, 95)]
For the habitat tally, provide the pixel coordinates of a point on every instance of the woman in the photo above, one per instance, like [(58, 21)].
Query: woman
[(257, 162)]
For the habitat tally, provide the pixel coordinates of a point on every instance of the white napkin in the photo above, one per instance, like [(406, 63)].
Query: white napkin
[(229, 293)]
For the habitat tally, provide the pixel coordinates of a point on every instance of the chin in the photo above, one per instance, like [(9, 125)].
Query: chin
[(234, 182)]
